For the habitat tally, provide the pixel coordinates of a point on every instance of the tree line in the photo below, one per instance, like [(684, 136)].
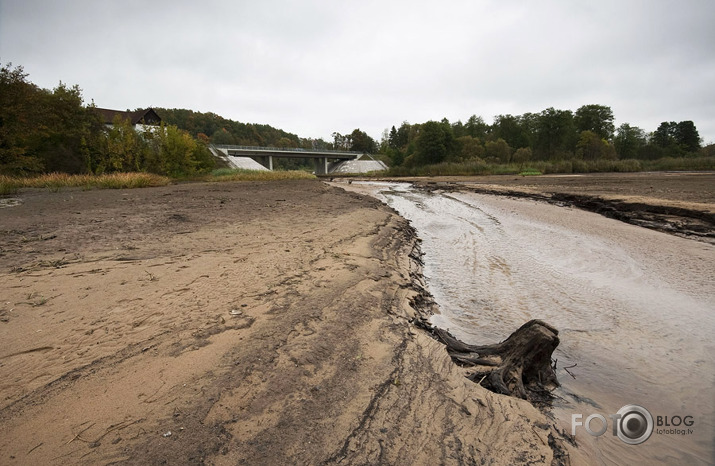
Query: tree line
[(587, 134), (44, 131), (54, 131)]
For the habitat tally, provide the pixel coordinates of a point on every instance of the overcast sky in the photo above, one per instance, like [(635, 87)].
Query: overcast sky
[(314, 67)]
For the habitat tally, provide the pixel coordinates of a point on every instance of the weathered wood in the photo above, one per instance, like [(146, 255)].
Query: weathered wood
[(518, 366)]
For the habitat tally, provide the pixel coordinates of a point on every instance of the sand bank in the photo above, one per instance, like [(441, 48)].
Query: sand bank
[(257, 323)]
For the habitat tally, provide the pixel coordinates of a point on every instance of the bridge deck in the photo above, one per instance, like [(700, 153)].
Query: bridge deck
[(250, 151)]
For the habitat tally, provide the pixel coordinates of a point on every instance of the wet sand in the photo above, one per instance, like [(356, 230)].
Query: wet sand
[(258, 323), (680, 203), (633, 305)]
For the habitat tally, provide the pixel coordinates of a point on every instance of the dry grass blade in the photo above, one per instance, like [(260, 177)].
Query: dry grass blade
[(57, 181)]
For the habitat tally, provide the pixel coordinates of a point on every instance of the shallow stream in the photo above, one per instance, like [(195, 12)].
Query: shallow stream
[(635, 308)]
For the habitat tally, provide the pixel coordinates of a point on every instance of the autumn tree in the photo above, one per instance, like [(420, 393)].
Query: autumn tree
[(521, 155), (41, 129), (285, 143), (470, 149), (498, 151), (123, 150)]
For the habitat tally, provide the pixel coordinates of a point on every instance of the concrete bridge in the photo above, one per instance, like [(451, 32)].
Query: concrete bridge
[(265, 155)]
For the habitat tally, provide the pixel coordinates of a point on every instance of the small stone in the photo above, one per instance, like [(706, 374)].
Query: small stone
[(167, 434)]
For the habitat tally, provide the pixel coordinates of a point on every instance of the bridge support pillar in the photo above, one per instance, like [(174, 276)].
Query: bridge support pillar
[(270, 162), (321, 166)]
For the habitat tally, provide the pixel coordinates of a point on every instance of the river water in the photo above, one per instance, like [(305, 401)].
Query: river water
[(635, 309)]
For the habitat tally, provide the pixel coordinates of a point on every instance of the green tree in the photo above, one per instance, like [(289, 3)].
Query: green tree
[(222, 136), (69, 127), (595, 118), (458, 129), (512, 129), (476, 127), (19, 122), (361, 142), (628, 141), (392, 138), (664, 136), (651, 151), (555, 133), (687, 136), (405, 135), (341, 142), (434, 143), (591, 146)]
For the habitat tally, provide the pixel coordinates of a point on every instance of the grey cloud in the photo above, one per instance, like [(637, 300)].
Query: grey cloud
[(314, 67)]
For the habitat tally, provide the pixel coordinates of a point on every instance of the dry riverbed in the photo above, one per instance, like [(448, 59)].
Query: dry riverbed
[(234, 323)]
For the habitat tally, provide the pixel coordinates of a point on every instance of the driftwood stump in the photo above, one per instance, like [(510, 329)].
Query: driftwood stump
[(518, 366)]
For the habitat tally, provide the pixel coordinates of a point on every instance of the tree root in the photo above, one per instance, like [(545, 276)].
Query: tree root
[(519, 366)]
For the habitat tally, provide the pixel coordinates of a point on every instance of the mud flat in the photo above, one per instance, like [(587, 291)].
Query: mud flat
[(256, 323), (680, 203)]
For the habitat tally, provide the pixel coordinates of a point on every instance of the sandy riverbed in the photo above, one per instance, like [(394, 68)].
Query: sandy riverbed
[(228, 324), (625, 300)]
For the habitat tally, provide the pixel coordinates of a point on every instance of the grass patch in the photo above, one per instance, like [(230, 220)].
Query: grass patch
[(559, 166), (240, 174), (530, 172), (680, 164), (57, 181), (8, 186), (535, 168)]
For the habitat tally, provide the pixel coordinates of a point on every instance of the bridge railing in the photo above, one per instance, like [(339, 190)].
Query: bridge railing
[(284, 149)]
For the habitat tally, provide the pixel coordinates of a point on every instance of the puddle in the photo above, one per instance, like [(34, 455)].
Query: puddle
[(634, 307), (10, 202)]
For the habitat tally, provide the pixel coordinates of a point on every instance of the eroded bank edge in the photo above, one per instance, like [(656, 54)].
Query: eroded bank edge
[(424, 306)]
